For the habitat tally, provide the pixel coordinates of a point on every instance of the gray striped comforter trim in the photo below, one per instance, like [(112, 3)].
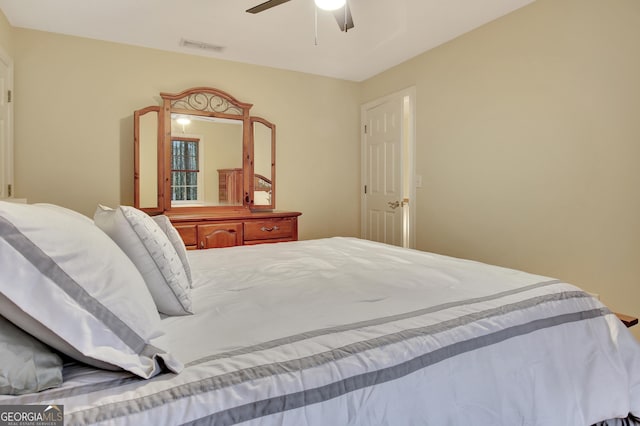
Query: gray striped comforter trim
[(333, 390), (287, 402)]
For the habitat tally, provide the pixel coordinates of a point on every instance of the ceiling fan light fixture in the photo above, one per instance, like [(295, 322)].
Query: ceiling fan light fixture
[(330, 4)]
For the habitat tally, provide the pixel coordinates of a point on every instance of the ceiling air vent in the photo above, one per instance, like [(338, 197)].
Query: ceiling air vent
[(193, 44)]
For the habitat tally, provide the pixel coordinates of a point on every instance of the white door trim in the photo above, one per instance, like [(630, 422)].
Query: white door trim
[(409, 138), (7, 167)]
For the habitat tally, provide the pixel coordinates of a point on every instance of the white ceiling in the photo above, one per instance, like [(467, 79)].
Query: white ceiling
[(386, 32)]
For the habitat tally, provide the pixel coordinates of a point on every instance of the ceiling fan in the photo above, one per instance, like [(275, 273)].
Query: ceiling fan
[(340, 9)]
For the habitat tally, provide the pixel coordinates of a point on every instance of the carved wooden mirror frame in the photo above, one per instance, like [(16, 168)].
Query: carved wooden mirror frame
[(203, 102)]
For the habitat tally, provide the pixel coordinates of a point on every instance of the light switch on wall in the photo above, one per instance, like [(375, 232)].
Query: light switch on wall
[(418, 181)]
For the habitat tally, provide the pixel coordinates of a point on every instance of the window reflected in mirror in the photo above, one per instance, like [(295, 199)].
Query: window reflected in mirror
[(185, 170)]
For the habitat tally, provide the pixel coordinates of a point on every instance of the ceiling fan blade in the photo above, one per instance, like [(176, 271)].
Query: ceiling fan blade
[(266, 5), (339, 14)]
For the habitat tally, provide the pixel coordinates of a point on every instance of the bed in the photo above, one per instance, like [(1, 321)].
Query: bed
[(335, 331)]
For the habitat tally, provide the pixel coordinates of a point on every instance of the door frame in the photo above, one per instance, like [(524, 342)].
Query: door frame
[(8, 166), (408, 96)]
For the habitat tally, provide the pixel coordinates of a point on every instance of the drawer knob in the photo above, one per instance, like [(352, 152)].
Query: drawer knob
[(273, 228)]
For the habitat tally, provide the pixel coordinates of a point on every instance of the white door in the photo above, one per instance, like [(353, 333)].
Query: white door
[(388, 169), (6, 142)]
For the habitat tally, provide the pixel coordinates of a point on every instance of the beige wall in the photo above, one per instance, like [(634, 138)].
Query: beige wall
[(528, 141), (6, 35), (74, 127)]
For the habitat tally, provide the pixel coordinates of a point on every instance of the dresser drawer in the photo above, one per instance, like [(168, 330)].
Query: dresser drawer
[(269, 229), (220, 234), (189, 235)]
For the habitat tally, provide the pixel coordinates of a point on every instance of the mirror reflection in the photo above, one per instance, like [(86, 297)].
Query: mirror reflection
[(206, 161), (263, 164), (147, 176)]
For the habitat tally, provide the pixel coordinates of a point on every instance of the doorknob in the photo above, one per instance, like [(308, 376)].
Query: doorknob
[(394, 204)]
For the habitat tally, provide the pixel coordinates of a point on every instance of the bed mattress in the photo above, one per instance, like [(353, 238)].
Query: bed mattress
[(343, 331)]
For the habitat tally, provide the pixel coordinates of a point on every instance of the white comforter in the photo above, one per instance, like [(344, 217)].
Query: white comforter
[(344, 331)]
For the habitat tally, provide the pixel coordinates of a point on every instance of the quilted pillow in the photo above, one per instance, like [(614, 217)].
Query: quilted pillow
[(27, 365), (65, 282), (174, 237), (150, 250)]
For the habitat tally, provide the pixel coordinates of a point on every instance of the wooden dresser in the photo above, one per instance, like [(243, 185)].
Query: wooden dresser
[(225, 229), (243, 211)]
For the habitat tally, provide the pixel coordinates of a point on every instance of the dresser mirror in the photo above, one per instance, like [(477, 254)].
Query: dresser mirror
[(264, 164), (202, 151), (147, 130)]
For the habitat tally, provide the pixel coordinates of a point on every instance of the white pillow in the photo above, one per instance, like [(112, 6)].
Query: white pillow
[(65, 282), (27, 365), (176, 240), (150, 250)]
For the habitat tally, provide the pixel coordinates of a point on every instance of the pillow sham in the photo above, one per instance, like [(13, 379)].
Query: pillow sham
[(27, 365), (176, 240), (68, 284), (150, 250)]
